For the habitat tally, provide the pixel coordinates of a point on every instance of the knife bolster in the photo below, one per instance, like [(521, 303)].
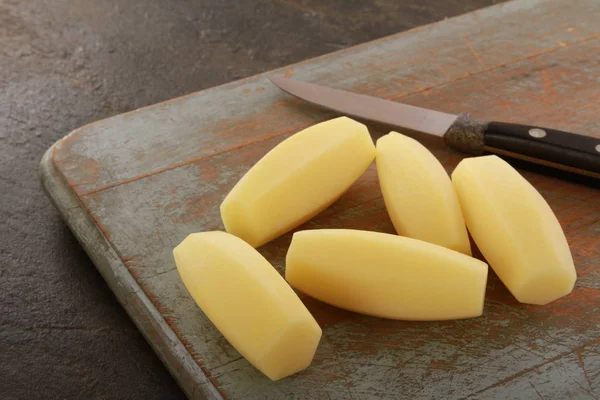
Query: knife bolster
[(466, 134)]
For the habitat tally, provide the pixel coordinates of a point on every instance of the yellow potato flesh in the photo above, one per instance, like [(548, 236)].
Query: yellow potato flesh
[(386, 275), (418, 193), (249, 302), (297, 179), (515, 229)]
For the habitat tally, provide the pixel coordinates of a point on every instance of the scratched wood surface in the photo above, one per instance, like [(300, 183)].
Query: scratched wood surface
[(133, 186)]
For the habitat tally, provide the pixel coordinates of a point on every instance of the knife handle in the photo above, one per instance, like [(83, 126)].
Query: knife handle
[(549, 147)]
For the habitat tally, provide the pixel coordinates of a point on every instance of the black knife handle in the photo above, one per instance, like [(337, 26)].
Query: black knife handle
[(560, 149), (550, 147)]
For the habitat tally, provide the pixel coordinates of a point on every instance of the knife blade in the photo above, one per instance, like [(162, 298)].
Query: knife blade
[(549, 147)]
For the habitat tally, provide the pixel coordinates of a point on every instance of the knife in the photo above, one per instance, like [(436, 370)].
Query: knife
[(549, 147)]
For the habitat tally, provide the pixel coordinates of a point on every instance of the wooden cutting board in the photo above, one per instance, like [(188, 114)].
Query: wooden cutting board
[(133, 186)]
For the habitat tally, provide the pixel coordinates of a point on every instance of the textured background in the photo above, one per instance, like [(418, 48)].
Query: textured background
[(66, 63)]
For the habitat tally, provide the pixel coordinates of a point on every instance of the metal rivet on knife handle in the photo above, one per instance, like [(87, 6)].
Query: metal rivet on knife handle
[(537, 133)]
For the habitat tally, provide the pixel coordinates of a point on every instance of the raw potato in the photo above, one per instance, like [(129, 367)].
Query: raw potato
[(418, 193), (249, 302), (515, 229), (386, 275), (297, 179)]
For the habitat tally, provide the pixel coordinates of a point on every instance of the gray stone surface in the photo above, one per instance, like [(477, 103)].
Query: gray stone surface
[(64, 64)]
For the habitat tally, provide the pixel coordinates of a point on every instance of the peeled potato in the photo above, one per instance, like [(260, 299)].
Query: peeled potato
[(418, 193), (297, 179), (249, 302), (386, 275), (515, 229)]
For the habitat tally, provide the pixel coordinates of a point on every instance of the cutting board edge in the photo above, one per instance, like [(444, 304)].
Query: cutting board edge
[(130, 295)]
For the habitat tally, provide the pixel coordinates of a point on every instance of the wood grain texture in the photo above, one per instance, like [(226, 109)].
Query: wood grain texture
[(140, 182)]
